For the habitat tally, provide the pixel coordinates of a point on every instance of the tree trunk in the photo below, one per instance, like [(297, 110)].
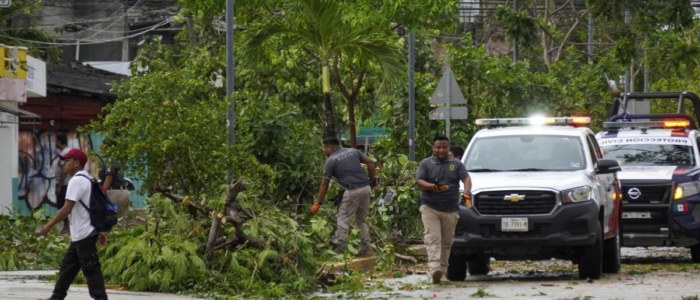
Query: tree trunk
[(351, 119), (328, 107), (213, 232), (233, 215)]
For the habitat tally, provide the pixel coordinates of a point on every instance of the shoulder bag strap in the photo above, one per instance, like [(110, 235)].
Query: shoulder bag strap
[(81, 201)]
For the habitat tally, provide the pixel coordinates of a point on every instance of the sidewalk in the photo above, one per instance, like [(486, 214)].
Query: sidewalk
[(22, 285)]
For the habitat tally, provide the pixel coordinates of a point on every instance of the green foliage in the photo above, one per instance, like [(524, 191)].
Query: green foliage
[(23, 249), (169, 121), (166, 254), (282, 138), (481, 293), (399, 220), (166, 109), (155, 257), (518, 25)]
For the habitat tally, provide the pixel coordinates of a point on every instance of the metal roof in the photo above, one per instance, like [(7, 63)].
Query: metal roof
[(25, 116)]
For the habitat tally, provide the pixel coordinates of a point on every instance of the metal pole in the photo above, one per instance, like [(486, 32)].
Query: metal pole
[(628, 19), (516, 48), (449, 99), (590, 38), (125, 42), (411, 98), (230, 116)]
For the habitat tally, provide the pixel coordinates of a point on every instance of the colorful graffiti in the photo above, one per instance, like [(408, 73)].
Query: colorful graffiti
[(38, 161)]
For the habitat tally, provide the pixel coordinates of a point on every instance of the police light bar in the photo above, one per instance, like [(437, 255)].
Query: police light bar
[(576, 121), (648, 124)]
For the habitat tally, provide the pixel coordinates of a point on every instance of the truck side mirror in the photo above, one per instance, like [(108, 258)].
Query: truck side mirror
[(607, 166)]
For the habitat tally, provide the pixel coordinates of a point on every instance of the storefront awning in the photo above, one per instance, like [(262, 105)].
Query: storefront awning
[(24, 116)]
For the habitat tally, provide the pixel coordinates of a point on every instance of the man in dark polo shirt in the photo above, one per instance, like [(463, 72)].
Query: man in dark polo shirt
[(438, 178), (345, 165)]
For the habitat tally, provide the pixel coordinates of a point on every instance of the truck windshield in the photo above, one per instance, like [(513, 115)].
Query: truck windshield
[(650, 154), (525, 153)]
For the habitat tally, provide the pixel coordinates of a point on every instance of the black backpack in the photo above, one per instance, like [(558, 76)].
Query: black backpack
[(103, 213)]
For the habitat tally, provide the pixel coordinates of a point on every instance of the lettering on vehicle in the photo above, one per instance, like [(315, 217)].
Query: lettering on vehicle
[(645, 140)]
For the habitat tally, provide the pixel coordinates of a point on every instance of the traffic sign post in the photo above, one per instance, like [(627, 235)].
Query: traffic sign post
[(448, 93)]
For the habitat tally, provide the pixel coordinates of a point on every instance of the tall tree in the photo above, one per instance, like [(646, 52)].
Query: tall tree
[(318, 28)]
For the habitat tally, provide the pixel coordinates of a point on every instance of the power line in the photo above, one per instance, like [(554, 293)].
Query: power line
[(88, 42), (126, 13)]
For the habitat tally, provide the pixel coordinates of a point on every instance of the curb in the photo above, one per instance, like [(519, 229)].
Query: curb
[(27, 274)]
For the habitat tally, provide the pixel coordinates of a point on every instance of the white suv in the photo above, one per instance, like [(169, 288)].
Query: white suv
[(540, 189), (659, 155)]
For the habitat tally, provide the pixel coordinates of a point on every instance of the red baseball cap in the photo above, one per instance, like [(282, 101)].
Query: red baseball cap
[(77, 155)]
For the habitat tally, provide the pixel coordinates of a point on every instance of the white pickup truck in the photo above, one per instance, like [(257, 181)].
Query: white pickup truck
[(540, 189)]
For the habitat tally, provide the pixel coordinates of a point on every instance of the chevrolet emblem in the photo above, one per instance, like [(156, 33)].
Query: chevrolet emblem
[(514, 197)]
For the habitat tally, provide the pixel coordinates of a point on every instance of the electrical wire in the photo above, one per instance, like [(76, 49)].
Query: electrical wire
[(115, 21), (81, 42)]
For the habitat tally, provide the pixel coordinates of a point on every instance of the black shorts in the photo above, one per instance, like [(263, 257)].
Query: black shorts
[(61, 197)]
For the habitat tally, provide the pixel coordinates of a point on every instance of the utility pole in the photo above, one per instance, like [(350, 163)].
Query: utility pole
[(230, 116), (125, 41)]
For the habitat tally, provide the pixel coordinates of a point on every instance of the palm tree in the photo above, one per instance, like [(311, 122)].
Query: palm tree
[(318, 28)]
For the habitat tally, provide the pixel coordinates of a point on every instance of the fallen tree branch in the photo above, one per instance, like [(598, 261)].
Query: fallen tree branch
[(185, 200), (407, 258), (232, 215)]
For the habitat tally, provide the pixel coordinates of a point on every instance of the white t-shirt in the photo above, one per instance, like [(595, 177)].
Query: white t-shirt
[(79, 188)]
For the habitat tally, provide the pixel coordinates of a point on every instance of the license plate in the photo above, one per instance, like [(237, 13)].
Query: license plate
[(636, 215), (514, 224)]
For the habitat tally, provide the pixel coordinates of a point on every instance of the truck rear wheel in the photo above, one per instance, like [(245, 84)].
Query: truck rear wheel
[(457, 268), (591, 263), (479, 265)]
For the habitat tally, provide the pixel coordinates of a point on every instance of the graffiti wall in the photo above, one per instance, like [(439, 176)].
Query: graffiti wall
[(38, 162)]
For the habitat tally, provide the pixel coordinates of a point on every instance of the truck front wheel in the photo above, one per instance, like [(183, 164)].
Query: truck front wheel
[(591, 263), (695, 252), (611, 252), (457, 268)]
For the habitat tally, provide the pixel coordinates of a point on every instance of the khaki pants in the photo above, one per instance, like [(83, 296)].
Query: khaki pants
[(355, 205), (438, 236), (121, 199)]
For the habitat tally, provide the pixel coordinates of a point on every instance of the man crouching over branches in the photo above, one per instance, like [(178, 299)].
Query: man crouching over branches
[(345, 165)]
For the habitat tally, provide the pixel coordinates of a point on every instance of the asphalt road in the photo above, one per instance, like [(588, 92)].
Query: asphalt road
[(654, 273)]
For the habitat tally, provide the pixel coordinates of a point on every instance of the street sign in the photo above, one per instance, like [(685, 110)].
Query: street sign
[(447, 89), (456, 113), (5, 3)]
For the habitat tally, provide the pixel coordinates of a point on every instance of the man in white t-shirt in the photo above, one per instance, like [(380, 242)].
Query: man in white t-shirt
[(82, 251)]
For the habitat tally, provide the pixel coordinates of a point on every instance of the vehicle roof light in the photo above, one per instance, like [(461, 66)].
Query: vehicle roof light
[(537, 120), (649, 124), (676, 124)]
